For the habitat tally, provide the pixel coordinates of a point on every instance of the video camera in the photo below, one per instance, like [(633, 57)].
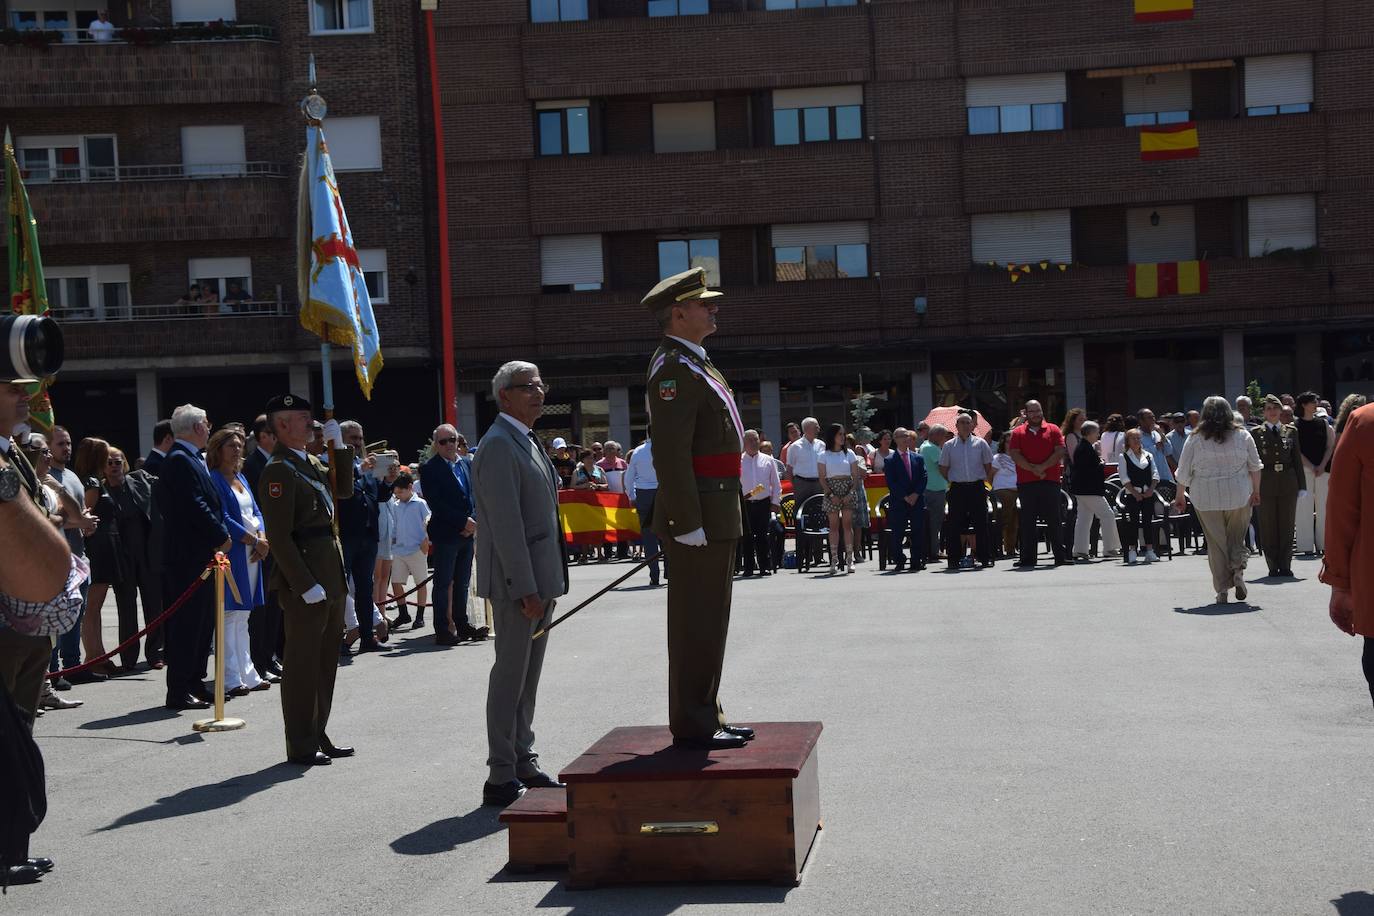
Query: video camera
[(30, 347)]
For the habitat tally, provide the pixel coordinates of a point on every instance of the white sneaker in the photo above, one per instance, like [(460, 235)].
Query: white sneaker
[(1130, 556), (1150, 556)]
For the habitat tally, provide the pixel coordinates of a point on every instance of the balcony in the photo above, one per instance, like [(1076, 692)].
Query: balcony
[(141, 67), (189, 336), (764, 50), (1084, 168), (815, 183), (169, 203)]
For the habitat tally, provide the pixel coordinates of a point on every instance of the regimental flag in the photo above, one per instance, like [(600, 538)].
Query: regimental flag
[(333, 294), (28, 293), (1178, 278), (1163, 10), (1168, 141), (597, 517)]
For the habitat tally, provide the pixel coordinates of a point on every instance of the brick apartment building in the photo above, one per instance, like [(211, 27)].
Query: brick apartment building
[(857, 178), (165, 158)]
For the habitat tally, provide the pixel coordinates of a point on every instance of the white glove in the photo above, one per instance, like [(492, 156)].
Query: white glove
[(315, 595), (333, 434), (693, 538)]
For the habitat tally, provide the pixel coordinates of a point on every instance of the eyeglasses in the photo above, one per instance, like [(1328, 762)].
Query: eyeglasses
[(531, 387), (112, 462), (449, 441)]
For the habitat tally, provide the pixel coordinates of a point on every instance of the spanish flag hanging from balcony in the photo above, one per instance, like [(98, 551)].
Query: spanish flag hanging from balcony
[(1163, 10), (28, 293), (1159, 142), (597, 517), (333, 293), (1176, 278)]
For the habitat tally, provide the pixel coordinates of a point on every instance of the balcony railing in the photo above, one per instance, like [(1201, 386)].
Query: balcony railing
[(33, 37), (177, 311), (75, 174)]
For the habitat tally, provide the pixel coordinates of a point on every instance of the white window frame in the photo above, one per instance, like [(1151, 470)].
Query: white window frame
[(333, 149), (369, 29), (373, 261), (70, 9), (54, 143), (95, 275)]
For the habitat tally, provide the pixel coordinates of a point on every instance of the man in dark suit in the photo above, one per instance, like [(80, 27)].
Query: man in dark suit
[(132, 493), (192, 530), (264, 622), (266, 441), (358, 527), (452, 525), (906, 486), (162, 444)]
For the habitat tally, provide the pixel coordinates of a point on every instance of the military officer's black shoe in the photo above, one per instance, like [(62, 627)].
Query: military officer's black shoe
[(24, 874), (331, 750), (316, 759), (541, 780), (720, 741), (506, 793), (743, 731), (42, 863)]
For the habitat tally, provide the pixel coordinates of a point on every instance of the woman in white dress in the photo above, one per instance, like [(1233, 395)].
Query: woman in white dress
[(243, 518), (841, 477)]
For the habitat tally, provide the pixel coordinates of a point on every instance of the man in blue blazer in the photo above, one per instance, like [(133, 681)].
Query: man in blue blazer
[(452, 525), (906, 509), (359, 520), (193, 529)]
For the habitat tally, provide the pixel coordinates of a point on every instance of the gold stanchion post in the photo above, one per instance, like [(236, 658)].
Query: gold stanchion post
[(219, 723)]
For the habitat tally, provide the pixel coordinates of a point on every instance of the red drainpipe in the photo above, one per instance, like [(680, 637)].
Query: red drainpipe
[(448, 370)]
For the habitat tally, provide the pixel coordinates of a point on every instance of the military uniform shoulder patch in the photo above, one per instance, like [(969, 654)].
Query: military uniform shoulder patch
[(667, 389), (274, 490)]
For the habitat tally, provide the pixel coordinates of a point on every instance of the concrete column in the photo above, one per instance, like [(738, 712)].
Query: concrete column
[(149, 411), (770, 406), (467, 417), (922, 390), (1307, 362), (298, 381), (1233, 363), (1075, 373), (619, 397)]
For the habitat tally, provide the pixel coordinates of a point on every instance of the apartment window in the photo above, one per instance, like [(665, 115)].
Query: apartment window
[(341, 15), (373, 263), (1015, 104), (53, 16), (817, 115), (806, 4), (77, 158), (679, 7), (1023, 237), (91, 292), (1157, 235), (558, 10), (201, 11), (1157, 98), (684, 127), (1281, 84), (229, 278), (355, 144), (678, 255), (570, 263), (820, 251), (564, 128), (213, 151), (1281, 221)]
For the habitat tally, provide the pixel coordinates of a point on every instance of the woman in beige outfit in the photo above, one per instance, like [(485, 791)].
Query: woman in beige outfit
[(1220, 470)]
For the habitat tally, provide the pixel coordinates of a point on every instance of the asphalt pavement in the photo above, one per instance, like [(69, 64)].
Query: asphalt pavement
[(1087, 740)]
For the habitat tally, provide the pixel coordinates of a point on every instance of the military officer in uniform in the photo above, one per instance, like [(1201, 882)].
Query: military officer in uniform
[(697, 440), (298, 509), (1280, 482)]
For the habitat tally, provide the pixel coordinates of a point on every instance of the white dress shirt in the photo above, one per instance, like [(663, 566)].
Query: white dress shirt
[(802, 456), (760, 471), (639, 470)]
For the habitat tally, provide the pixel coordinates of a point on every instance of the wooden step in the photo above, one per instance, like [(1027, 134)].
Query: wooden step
[(537, 830)]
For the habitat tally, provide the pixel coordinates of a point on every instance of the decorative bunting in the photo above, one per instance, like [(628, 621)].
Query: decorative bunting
[(1163, 10), (1168, 141), (1175, 278)]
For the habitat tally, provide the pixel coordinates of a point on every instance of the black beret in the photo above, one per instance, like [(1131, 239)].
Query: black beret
[(286, 402)]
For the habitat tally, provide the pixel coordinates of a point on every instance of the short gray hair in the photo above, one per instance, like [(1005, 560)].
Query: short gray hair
[(348, 426), (507, 373), (811, 422), (611, 443), (939, 429), (185, 418), (1243, 399), (1089, 426), (750, 433)]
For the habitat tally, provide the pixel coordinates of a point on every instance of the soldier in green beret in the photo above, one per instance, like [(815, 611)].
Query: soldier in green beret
[(1280, 482), (697, 441)]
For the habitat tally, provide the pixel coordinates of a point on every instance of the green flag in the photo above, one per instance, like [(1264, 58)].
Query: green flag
[(28, 292)]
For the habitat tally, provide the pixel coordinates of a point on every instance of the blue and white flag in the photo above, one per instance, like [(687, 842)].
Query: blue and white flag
[(333, 294)]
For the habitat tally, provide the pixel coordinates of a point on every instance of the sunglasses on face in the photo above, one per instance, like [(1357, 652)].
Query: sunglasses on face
[(115, 462), (448, 441)]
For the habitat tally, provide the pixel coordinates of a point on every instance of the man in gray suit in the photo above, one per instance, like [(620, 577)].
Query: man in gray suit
[(521, 568)]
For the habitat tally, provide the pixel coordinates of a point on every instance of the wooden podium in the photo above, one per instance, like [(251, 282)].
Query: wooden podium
[(641, 810)]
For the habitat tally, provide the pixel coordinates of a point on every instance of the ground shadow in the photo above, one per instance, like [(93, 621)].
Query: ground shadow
[(448, 834), (659, 899), (199, 799), (1354, 903), (1220, 610), (137, 717)]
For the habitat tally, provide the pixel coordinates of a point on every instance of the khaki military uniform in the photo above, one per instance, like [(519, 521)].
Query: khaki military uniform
[(298, 512), (696, 457), (1280, 482)]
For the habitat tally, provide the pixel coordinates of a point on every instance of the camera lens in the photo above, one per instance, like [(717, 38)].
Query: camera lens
[(30, 347)]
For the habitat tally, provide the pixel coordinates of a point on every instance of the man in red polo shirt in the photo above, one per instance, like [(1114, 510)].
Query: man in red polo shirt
[(1037, 448)]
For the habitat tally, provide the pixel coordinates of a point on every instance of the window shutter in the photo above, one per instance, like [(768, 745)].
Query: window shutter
[(1168, 92), (565, 260), (218, 268), (684, 127), (818, 97), (372, 259), (1282, 221), (799, 235), (1173, 239), (1022, 238), (203, 10), (1021, 89), (1285, 79), (355, 144), (217, 150)]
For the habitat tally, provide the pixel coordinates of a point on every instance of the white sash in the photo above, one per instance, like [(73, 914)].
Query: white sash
[(722, 392)]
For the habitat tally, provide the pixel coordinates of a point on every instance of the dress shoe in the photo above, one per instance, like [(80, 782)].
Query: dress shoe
[(506, 793), (275, 668), (473, 635), (239, 691), (186, 702), (157, 665), (335, 750), (373, 647), (541, 780), (42, 863), (24, 874), (721, 740), (62, 683), (899, 565), (265, 685), (748, 574), (419, 620), (88, 677), (742, 731), (53, 701), (446, 639), (317, 759)]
